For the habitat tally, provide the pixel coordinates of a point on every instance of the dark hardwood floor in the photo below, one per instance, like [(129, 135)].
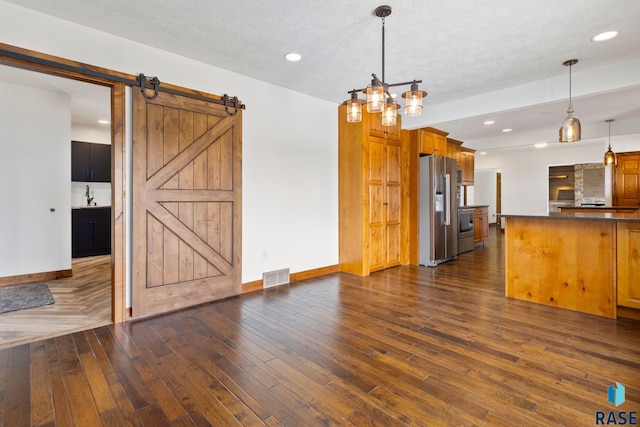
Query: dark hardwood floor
[(405, 346)]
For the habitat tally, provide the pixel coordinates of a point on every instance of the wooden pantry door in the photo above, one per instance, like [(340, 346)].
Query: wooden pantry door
[(186, 203)]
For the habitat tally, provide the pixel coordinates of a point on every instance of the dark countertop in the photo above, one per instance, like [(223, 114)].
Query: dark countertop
[(473, 206), (581, 216), (90, 207), (595, 208)]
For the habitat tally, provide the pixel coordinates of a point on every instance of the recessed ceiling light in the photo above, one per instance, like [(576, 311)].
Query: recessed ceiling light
[(293, 57), (104, 122), (482, 153), (507, 130), (540, 145), (607, 35), (489, 122)]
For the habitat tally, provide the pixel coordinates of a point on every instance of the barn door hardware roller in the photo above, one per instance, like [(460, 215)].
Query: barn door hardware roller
[(231, 102), (148, 83)]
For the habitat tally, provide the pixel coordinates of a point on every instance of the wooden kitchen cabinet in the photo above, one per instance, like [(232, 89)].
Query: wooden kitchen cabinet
[(90, 231), (391, 132), (454, 148), (467, 163), (90, 162), (480, 224), (431, 141), (628, 264), (369, 175)]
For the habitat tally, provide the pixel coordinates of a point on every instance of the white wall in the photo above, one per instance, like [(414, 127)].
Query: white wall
[(35, 126), (99, 134), (485, 189), (290, 201)]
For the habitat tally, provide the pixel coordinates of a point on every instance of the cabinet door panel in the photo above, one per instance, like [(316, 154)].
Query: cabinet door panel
[(392, 132), (102, 231), (100, 162), (393, 171), (80, 154), (392, 245), (628, 265), (376, 204), (376, 182), (393, 204), (376, 248), (376, 161), (81, 233)]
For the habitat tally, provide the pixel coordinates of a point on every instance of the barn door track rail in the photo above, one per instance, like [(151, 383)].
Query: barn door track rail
[(146, 84)]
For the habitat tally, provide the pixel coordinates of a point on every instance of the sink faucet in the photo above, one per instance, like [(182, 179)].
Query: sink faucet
[(89, 195)]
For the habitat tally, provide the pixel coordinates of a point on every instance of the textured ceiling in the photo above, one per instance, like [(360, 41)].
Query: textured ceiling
[(459, 49)]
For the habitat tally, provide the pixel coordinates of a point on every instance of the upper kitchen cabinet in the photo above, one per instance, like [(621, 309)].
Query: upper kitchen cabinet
[(467, 163), (431, 141), (454, 147), (90, 162), (388, 132)]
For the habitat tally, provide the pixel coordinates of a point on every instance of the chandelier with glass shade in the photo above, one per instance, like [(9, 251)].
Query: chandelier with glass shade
[(378, 97)]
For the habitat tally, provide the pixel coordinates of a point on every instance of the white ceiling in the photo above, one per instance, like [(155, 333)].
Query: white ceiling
[(460, 50)]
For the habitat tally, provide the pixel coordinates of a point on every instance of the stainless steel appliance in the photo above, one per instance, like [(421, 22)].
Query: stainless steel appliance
[(465, 230), (438, 219)]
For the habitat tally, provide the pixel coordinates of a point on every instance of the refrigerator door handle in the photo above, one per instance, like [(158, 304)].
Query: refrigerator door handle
[(447, 191)]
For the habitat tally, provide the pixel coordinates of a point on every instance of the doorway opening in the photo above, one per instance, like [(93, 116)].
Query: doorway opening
[(84, 300)]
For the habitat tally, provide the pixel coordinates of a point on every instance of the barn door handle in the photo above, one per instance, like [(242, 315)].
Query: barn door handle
[(154, 82), (233, 103)]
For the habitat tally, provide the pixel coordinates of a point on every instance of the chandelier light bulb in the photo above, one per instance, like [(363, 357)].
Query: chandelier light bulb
[(354, 109), (414, 101), (375, 98), (390, 113)]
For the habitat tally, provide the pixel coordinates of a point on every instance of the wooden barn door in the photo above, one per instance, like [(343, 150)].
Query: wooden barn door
[(186, 203)]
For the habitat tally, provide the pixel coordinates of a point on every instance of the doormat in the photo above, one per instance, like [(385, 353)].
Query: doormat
[(19, 297)]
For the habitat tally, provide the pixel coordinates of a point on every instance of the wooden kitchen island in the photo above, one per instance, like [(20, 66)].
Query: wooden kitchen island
[(582, 261)]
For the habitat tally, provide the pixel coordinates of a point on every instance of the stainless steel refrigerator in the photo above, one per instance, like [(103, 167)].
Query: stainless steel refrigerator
[(438, 222)]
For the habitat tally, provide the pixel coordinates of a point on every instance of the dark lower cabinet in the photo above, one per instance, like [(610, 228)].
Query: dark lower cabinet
[(90, 232)]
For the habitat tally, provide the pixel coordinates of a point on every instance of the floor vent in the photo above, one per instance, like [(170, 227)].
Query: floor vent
[(275, 278)]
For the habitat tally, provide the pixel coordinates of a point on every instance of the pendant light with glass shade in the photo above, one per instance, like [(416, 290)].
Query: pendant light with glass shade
[(570, 130), (379, 100), (610, 156)]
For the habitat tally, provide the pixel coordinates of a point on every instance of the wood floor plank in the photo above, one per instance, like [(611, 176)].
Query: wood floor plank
[(61, 402), (407, 346), (97, 383), (81, 401), (41, 398), (17, 407)]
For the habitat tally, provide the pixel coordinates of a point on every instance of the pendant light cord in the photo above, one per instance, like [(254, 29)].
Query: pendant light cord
[(383, 80), (570, 110)]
